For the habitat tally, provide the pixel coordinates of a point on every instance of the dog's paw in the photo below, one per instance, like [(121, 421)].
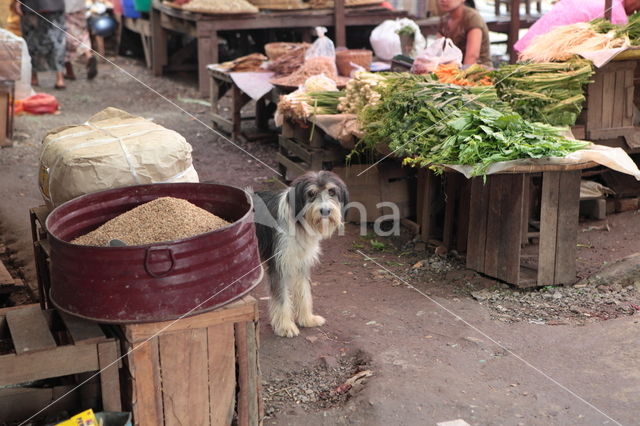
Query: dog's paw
[(286, 330), (312, 321)]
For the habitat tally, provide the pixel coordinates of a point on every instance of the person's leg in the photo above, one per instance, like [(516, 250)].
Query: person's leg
[(69, 74), (58, 47)]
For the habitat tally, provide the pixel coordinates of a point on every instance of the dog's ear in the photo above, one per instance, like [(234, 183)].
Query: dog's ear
[(297, 196), (343, 194)]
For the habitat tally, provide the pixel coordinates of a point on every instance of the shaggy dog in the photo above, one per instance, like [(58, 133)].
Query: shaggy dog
[(290, 225)]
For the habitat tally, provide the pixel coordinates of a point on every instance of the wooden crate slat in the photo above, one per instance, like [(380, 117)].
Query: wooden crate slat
[(145, 370), (109, 376), (82, 331), (248, 407), (184, 366), (477, 238), (495, 216), (29, 330), (429, 182), (619, 94), (222, 373), (510, 241), (594, 106), (548, 227), (60, 361), (607, 99), (568, 212), (629, 90), (238, 311)]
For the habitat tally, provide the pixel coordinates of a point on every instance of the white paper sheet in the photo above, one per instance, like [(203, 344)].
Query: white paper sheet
[(254, 84)]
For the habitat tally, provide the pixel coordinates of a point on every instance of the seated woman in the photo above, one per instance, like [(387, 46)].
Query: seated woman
[(468, 31)]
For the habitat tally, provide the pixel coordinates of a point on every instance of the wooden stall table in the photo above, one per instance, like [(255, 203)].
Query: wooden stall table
[(491, 221), (142, 27), (205, 28), (221, 83)]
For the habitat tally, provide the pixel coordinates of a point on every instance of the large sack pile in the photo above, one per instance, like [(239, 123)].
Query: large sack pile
[(111, 150)]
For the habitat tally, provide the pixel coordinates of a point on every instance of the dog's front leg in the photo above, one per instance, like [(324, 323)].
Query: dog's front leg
[(280, 307), (303, 303)]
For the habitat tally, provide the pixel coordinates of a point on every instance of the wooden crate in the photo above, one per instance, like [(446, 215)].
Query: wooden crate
[(608, 115), (200, 370), (499, 224), (296, 158), (49, 344), (7, 98)]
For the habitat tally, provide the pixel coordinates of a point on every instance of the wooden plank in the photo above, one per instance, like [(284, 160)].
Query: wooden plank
[(629, 90), (495, 216), (109, 376), (567, 234), (548, 227), (463, 216), (5, 276), (511, 218), (144, 366), (608, 100), (253, 374), (241, 310), (526, 209), (427, 220), (619, 97), (293, 169), (60, 361), (477, 235), (159, 45), (185, 382), (4, 123), (82, 331), (247, 374), (29, 330), (222, 373), (514, 29), (295, 149), (594, 103)]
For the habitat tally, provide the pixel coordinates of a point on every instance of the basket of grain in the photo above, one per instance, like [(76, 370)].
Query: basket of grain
[(277, 49), (349, 60), (152, 252)]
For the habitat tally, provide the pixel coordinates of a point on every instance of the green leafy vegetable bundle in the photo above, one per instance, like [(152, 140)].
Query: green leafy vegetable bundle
[(432, 124), (631, 29), (551, 93), (482, 137)]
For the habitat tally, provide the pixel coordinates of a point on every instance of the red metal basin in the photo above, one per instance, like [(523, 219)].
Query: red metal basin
[(154, 282)]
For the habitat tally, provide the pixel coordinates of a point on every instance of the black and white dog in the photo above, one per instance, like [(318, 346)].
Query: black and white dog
[(290, 225)]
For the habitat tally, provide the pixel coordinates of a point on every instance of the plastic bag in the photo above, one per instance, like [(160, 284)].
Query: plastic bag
[(15, 47), (386, 41), (441, 51), (40, 103), (323, 46)]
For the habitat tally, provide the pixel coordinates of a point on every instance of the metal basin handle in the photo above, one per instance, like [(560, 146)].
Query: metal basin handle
[(147, 261)]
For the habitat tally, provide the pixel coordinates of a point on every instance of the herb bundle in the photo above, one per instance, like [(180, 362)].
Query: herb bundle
[(551, 93)]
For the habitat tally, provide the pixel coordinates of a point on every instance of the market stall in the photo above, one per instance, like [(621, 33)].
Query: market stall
[(205, 28)]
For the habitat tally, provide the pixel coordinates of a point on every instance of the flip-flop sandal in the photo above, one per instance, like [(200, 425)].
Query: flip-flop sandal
[(69, 77), (92, 68), (58, 87)]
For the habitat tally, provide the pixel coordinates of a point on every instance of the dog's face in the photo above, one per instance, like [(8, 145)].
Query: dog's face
[(318, 201)]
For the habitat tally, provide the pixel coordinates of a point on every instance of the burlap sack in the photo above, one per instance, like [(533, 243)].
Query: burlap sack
[(111, 150)]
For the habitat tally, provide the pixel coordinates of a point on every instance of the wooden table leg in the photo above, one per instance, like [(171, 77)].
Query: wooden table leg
[(262, 114), (559, 227), (158, 44), (207, 54)]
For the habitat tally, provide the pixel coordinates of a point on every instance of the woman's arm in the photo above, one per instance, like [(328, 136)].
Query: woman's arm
[(474, 41)]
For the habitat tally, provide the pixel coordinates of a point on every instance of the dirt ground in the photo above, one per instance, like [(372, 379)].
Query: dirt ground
[(425, 340)]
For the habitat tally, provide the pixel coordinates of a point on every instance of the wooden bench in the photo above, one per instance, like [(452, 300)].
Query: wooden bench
[(47, 344)]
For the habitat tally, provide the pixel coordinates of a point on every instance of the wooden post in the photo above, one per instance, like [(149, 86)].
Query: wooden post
[(341, 32), (513, 30), (158, 43), (608, 5)]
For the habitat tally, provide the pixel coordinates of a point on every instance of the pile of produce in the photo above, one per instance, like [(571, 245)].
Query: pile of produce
[(318, 95), (311, 67), (550, 93), (630, 30), (220, 6), (432, 123), (475, 75), (247, 63), (290, 61), (360, 92)]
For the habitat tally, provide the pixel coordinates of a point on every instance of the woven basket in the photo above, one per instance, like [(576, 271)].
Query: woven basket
[(277, 49), (280, 4), (345, 59)]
